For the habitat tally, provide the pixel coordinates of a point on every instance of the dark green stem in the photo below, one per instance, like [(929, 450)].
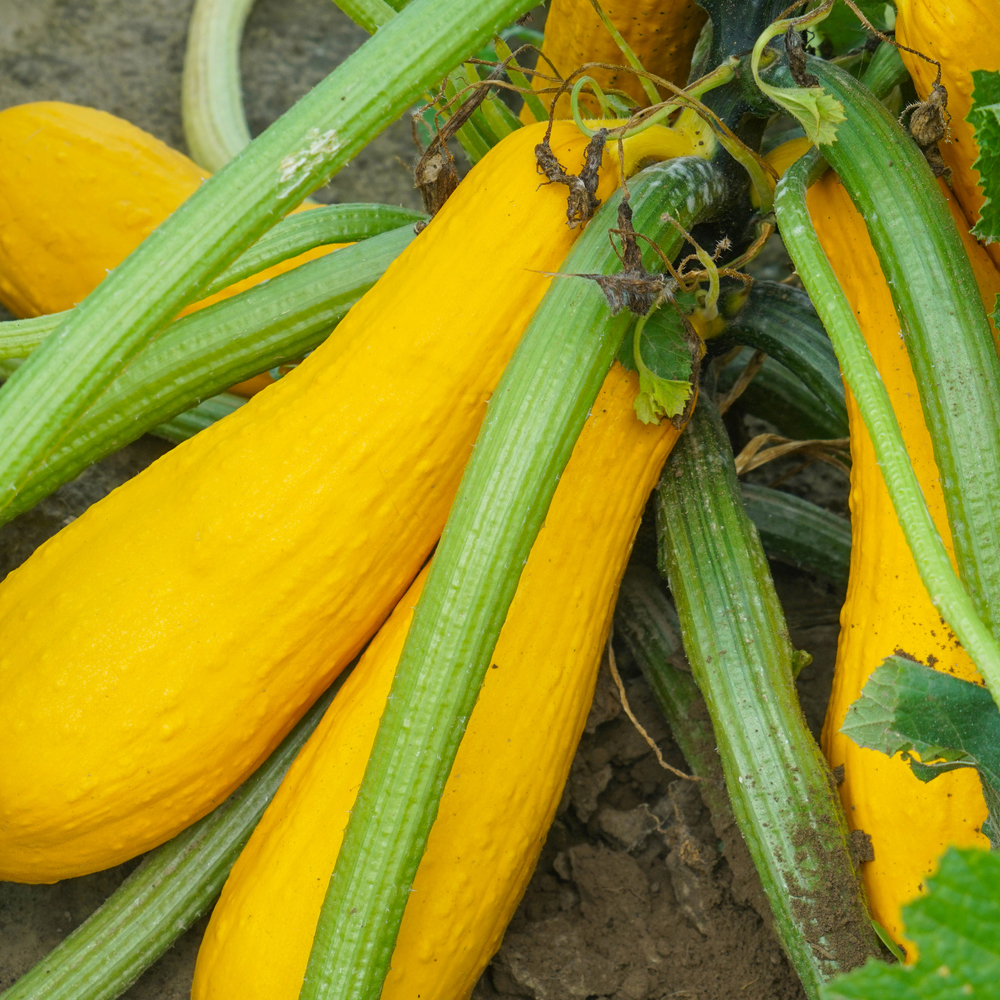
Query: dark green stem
[(795, 531), (534, 418), (737, 643)]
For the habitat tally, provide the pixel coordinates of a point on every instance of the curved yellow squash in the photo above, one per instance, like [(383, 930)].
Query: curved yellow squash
[(962, 35), (887, 608), (160, 646), (79, 190), (511, 766), (662, 33)]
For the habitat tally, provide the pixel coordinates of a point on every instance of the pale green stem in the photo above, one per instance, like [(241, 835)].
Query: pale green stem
[(533, 420), (945, 589), (215, 124)]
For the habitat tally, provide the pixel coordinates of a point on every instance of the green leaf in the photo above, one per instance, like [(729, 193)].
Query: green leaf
[(956, 927), (665, 351), (906, 707), (985, 119)]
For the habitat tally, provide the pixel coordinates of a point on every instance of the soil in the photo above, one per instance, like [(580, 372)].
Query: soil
[(634, 898)]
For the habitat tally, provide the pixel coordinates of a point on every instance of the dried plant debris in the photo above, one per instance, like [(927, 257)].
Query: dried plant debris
[(435, 176), (928, 125), (796, 52), (583, 200)]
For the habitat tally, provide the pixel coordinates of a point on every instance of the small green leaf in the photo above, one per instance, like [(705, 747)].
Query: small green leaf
[(665, 351), (842, 31), (956, 927), (985, 119), (908, 708), (883, 936), (816, 111), (660, 398)]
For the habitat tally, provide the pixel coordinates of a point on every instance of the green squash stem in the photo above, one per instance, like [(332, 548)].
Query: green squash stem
[(533, 421)]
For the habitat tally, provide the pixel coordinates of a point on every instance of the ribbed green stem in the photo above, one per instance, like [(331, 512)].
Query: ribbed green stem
[(782, 398), (215, 123), (318, 227), (798, 532), (292, 236), (944, 587), (370, 14), (165, 895), (648, 624), (173, 265), (206, 352), (185, 425), (737, 645), (944, 325), (534, 418), (780, 321)]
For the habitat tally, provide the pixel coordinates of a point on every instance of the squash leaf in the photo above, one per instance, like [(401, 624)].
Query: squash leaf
[(842, 31), (985, 119), (956, 928), (911, 709), (666, 352)]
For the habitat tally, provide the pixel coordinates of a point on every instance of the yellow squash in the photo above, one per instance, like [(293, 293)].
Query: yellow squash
[(887, 608), (79, 190), (662, 33), (158, 648), (962, 35), (511, 766)]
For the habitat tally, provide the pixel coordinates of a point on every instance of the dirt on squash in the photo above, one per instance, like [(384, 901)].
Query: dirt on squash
[(636, 896)]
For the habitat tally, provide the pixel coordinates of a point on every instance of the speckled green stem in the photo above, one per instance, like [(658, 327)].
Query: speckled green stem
[(737, 644), (174, 264), (533, 421), (166, 894)]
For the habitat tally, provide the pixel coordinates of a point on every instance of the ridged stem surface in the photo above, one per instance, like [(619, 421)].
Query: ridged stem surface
[(533, 421), (737, 644), (209, 350)]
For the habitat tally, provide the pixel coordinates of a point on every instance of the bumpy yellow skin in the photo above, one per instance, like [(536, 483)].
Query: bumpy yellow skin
[(662, 33), (79, 190), (887, 607), (160, 646), (510, 769), (962, 35)]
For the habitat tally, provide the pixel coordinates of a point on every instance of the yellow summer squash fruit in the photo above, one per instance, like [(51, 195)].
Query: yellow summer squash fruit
[(159, 647), (511, 766), (115, 184), (662, 33)]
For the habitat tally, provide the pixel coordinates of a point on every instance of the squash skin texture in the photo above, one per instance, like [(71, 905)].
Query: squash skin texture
[(511, 766), (962, 35), (662, 33), (160, 646), (117, 184), (887, 608)]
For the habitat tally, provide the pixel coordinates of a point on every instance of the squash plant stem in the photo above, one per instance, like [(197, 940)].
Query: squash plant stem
[(173, 265), (943, 585), (736, 640), (533, 421)]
